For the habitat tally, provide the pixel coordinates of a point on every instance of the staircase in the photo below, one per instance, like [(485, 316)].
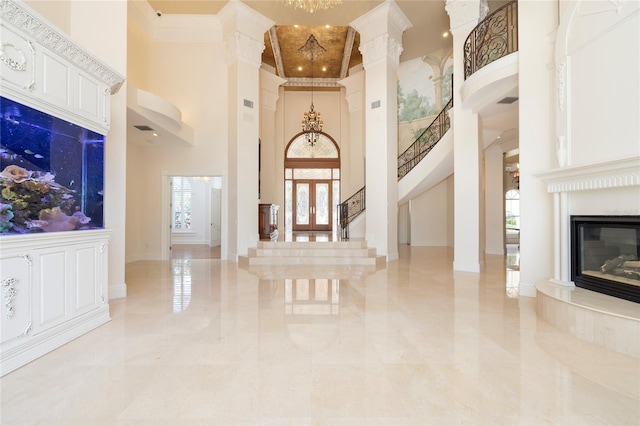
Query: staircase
[(342, 253)]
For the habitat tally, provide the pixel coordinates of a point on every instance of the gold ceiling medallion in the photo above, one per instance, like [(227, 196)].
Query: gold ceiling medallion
[(311, 120), (312, 5)]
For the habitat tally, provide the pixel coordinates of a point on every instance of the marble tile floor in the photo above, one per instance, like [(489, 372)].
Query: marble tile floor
[(204, 342)]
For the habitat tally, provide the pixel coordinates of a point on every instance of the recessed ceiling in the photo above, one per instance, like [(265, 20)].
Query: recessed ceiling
[(429, 20)]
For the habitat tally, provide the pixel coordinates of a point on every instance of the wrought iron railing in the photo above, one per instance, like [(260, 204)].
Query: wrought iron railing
[(349, 209), (493, 38), (425, 142)]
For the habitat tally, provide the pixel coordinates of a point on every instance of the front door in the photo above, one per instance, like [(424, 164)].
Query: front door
[(312, 201)]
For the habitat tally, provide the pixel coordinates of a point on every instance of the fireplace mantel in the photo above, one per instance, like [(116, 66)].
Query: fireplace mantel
[(620, 173), (601, 319), (610, 174)]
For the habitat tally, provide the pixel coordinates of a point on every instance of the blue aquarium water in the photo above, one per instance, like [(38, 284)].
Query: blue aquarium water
[(51, 173)]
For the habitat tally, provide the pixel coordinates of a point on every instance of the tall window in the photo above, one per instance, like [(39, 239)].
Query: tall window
[(512, 213), (181, 203)]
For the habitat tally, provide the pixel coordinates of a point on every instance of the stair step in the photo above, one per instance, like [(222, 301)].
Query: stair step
[(309, 253), (333, 260), (312, 244), (312, 252)]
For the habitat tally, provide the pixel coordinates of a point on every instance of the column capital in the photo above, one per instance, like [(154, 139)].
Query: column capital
[(243, 29), (462, 13), (354, 85), (269, 84), (381, 33)]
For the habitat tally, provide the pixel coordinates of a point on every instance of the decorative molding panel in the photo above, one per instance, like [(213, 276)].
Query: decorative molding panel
[(306, 82), (54, 288), (32, 25), (612, 174), (380, 49)]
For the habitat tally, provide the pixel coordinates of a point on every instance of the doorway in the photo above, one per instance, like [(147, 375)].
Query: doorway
[(195, 217), (312, 184)]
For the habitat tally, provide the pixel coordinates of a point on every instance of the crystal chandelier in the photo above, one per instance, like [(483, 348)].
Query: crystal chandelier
[(312, 5), (312, 120)]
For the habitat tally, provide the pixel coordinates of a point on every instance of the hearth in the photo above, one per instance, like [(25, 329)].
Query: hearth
[(605, 255)]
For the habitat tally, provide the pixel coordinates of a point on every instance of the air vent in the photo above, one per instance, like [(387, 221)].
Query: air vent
[(143, 128), (508, 100)]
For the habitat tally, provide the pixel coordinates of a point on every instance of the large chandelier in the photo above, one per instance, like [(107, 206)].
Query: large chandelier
[(311, 120), (312, 5)]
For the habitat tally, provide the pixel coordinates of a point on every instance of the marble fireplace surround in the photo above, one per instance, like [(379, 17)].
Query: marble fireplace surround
[(603, 320)]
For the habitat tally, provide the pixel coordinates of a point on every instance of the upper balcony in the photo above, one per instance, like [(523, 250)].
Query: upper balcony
[(491, 59)]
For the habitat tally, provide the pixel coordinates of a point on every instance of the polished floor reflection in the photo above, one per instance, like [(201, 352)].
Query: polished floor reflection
[(203, 342)]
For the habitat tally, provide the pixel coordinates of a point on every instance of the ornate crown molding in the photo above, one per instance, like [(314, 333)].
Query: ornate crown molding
[(610, 174), (306, 82), (29, 23), (387, 18), (241, 47)]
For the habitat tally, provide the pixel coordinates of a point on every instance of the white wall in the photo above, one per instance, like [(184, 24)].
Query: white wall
[(603, 83), (192, 76), (432, 216)]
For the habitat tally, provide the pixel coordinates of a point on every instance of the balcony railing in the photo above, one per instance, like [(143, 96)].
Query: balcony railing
[(493, 38), (425, 142), (348, 210)]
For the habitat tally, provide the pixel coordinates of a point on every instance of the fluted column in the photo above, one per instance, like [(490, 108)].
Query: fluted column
[(243, 31), (381, 44), (467, 150)]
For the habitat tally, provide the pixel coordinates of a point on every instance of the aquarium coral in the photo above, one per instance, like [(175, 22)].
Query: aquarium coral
[(32, 201)]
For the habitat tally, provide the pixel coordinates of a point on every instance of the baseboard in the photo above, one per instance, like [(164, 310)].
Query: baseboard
[(33, 347), (117, 291), (527, 290), (468, 267)]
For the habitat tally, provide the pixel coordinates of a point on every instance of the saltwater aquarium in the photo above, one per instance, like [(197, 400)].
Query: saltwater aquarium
[(51, 173)]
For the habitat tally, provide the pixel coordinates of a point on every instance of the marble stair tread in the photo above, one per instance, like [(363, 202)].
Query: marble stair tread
[(313, 252), (312, 244), (335, 260), (324, 253)]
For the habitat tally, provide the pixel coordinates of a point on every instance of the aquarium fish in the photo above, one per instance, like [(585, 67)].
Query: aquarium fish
[(28, 151), (36, 223), (38, 156), (72, 182), (5, 154), (101, 192), (66, 196)]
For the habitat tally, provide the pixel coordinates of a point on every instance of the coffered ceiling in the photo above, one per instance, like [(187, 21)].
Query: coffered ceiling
[(331, 29)]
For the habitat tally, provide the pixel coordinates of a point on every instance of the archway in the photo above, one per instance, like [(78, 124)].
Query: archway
[(312, 183)]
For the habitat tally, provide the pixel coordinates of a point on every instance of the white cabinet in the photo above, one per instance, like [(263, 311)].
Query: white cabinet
[(54, 289), (43, 69)]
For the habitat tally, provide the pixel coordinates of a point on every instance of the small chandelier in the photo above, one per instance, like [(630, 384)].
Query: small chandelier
[(312, 120), (514, 170), (312, 5)]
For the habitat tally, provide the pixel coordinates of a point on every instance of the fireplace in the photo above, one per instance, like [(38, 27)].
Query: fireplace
[(605, 255)]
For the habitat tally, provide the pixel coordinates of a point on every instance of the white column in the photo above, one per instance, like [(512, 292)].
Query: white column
[(243, 30), (536, 21), (269, 173), (494, 200), (353, 173), (381, 44), (467, 150)]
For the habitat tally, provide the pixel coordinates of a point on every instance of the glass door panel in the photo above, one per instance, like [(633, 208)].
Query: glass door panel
[(322, 204), (312, 205), (302, 199)]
